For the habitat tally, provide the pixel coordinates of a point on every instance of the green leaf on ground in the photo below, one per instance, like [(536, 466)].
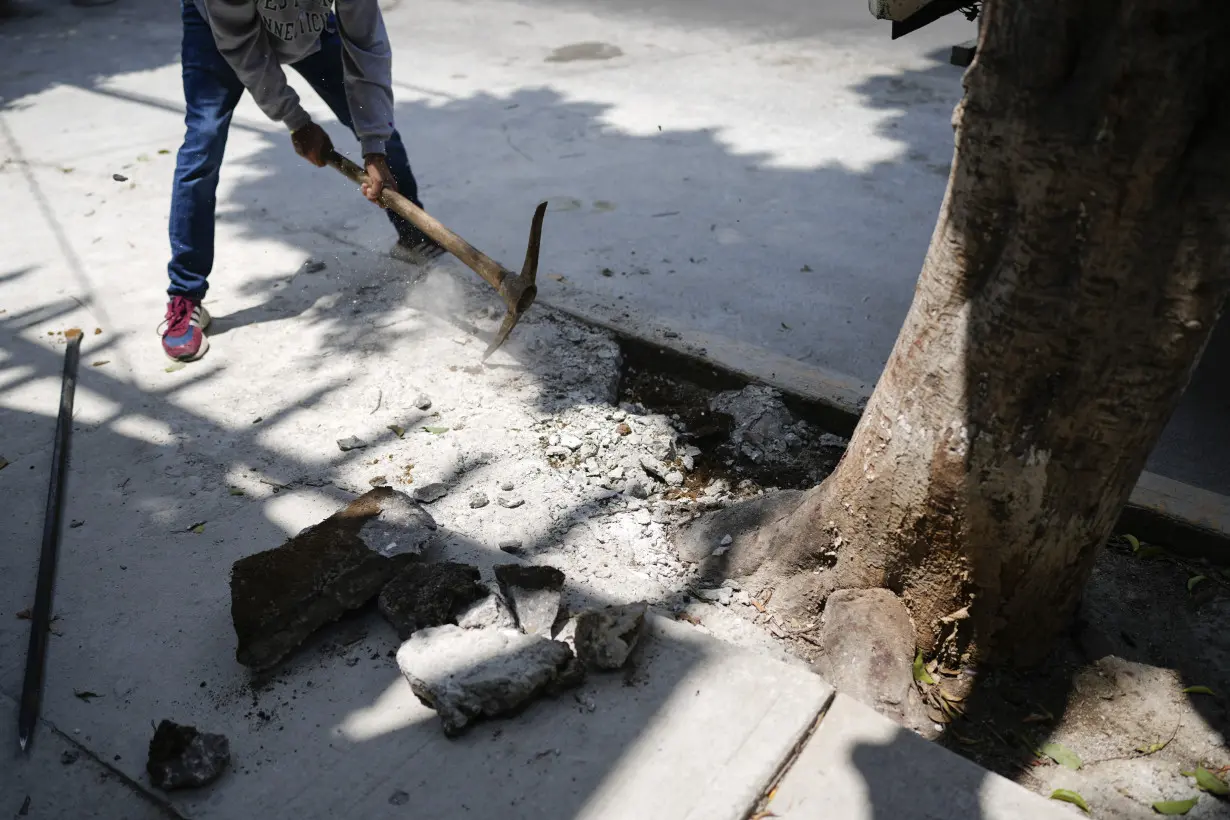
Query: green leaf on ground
[(1133, 542), (397, 431), (173, 366), (1149, 551), (921, 675), (101, 362), (1062, 755), (1153, 748), (1195, 579), (1211, 783), (86, 695), (1173, 808), (435, 431), (198, 528), (237, 491), (1198, 690), (1069, 796)]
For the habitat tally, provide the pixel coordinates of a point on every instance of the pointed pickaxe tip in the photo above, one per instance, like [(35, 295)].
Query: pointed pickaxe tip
[(526, 282)]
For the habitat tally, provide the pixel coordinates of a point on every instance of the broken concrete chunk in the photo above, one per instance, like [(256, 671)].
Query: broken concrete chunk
[(491, 612), (180, 757), (654, 467), (761, 419), (512, 546), (605, 638), (533, 593), (674, 478), (510, 502), (422, 401), (281, 596), (429, 493), (351, 443), (637, 489), (470, 674), (403, 527), (570, 441), (478, 501), (426, 595)]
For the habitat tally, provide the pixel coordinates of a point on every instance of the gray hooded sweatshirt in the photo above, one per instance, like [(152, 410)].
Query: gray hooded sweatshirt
[(258, 37)]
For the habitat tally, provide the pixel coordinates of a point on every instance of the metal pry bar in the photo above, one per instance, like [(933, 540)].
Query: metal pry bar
[(40, 614)]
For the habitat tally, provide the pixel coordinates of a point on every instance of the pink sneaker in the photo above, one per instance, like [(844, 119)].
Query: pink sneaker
[(183, 329)]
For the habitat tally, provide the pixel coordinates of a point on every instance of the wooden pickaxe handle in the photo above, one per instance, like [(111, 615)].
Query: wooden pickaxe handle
[(476, 260)]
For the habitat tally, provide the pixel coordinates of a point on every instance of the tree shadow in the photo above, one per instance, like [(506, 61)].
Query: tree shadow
[(121, 38)]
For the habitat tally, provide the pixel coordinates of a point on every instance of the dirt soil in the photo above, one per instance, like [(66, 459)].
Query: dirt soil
[(1110, 702)]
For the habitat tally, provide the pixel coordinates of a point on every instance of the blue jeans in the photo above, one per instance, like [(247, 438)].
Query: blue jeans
[(211, 92)]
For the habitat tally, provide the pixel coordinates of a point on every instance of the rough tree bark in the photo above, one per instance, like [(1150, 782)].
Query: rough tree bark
[(1079, 263)]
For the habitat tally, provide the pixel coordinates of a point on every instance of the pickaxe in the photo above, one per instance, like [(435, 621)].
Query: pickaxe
[(517, 291)]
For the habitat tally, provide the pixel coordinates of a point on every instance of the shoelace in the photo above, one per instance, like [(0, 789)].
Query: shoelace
[(178, 318)]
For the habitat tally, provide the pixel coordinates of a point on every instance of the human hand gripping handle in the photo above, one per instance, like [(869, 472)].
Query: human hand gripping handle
[(379, 178), (313, 144)]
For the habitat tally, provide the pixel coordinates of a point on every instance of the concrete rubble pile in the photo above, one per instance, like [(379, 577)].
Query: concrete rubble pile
[(473, 647), (471, 650)]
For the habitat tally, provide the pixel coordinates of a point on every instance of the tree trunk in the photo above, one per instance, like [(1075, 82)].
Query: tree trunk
[(1080, 261)]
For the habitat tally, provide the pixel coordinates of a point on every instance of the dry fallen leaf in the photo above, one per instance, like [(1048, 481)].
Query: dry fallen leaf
[(86, 695), (25, 615), (100, 363)]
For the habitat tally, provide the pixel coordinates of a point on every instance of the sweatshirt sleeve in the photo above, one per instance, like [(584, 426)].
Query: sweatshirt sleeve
[(367, 67), (241, 39)]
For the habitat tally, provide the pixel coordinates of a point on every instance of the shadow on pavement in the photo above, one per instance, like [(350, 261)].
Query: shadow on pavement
[(143, 488)]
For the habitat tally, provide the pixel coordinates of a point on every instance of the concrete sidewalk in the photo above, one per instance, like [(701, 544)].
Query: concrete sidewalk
[(769, 179), (643, 162)]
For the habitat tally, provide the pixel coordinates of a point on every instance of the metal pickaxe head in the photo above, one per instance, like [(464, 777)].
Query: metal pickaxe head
[(518, 292)]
